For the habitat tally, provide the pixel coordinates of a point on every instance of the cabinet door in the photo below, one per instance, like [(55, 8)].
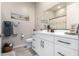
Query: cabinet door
[(47, 49), (36, 45), (42, 46)]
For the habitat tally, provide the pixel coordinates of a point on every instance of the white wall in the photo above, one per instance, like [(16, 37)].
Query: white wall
[(0, 28), (0, 10), (72, 14), (24, 27)]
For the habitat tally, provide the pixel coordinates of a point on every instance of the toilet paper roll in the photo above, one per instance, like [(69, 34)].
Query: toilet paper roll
[(22, 36)]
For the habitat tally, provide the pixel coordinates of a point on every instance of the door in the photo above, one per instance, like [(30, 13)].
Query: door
[(0, 28)]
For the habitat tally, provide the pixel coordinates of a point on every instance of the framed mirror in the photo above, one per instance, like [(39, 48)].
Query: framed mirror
[(56, 16)]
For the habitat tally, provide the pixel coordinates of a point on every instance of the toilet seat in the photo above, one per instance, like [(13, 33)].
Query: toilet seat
[(29, 40)]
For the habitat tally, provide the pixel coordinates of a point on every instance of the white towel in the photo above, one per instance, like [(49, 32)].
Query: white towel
[(15, 28)]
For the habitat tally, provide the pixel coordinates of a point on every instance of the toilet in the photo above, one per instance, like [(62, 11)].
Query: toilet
[(29, 43)]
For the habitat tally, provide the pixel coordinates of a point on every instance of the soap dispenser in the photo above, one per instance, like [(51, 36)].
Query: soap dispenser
[(48, 28)]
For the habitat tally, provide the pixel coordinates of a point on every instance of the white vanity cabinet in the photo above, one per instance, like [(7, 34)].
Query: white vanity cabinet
[(42, 45), (55, 44)]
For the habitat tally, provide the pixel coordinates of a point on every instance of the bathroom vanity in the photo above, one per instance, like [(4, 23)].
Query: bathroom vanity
[(58, 43), (55, 44)]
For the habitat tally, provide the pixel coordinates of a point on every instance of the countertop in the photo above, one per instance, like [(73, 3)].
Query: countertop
[(60, 33)]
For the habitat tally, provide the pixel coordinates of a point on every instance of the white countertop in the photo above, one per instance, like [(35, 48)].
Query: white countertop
[(59, 33)]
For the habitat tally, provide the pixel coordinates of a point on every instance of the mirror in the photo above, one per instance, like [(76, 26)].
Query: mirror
[(55, 16)]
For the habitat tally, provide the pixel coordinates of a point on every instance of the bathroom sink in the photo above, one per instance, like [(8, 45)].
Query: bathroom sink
[(71, 33)]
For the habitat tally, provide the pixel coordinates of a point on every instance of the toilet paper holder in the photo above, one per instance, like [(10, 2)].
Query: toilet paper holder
[(22, 36)]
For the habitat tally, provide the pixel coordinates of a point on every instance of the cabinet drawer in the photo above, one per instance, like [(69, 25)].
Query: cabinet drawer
[(63, 51), (46, 37), (71, 43)]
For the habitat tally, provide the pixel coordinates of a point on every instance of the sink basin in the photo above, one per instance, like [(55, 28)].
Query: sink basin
[(71, 33)]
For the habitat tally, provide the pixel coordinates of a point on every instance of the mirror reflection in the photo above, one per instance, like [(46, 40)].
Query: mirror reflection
[(55, 17)]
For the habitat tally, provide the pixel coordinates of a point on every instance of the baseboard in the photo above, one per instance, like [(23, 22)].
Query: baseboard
[(19, 46)]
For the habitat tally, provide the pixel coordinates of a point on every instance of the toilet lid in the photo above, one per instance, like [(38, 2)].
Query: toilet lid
[(29, 40)]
